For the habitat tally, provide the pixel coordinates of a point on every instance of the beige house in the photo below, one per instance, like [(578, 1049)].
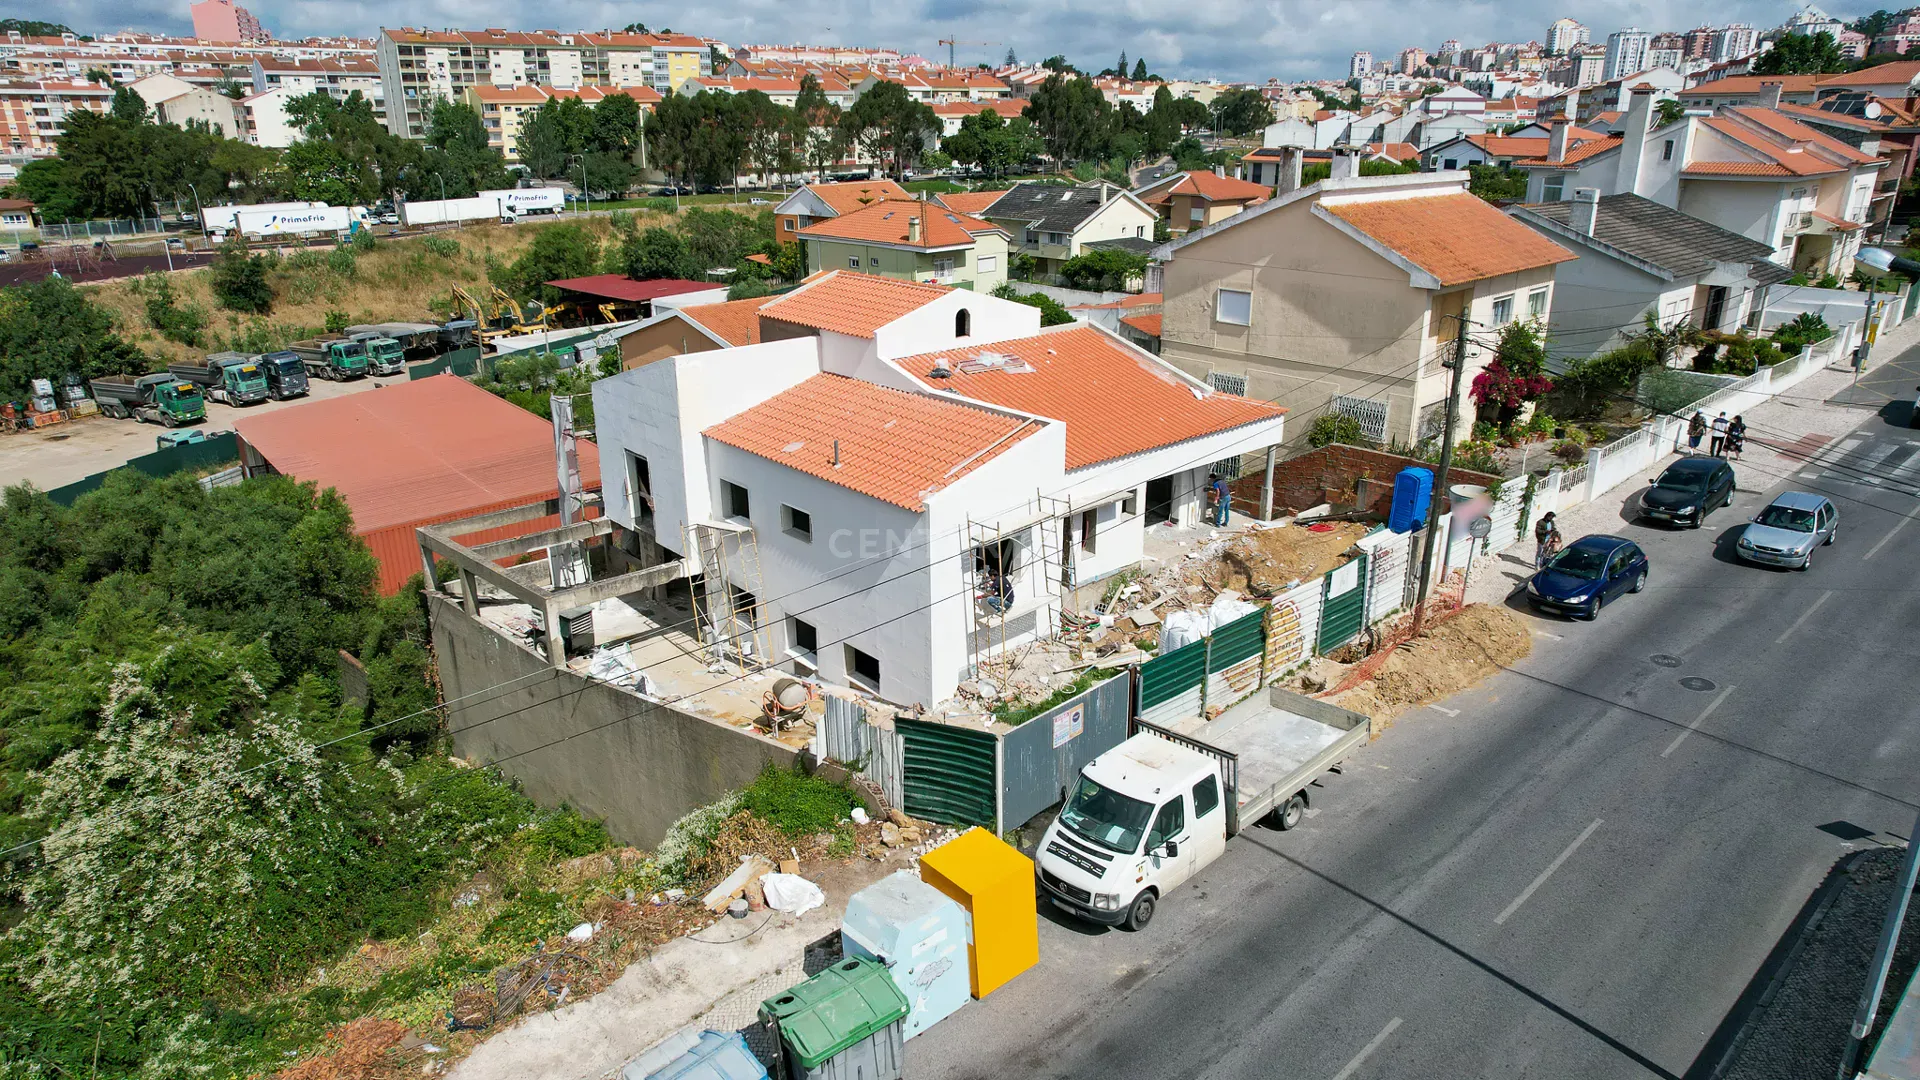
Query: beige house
[(1342, 297), (1195, 200)]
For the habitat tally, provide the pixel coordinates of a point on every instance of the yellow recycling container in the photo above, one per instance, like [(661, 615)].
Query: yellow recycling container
[(994, 883)]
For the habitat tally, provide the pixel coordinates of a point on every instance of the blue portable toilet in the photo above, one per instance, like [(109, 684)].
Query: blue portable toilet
[(1412, 496), (921, 936), (710, 1055)]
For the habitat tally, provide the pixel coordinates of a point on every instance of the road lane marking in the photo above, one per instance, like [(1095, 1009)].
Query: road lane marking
[(1811, 608), (1704, 713), (1875, 549), (1547, 873), (1449, 712), (1361, 1057), (1555, 637)]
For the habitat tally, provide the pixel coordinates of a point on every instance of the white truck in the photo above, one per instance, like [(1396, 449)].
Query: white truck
[(296, 221), (486, 207), (224, 219), (1150, 813), (524, 201)]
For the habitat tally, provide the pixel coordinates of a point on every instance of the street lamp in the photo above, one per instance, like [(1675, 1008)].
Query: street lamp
[(586, 197), (198, 211)]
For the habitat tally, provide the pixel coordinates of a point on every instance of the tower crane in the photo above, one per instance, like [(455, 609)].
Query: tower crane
[(951, 42)]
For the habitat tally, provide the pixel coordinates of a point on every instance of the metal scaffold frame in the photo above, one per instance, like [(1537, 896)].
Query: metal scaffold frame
[(729, 634), (986, 629)]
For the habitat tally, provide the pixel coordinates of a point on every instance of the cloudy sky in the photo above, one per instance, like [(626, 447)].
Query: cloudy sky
[(1231, 39)]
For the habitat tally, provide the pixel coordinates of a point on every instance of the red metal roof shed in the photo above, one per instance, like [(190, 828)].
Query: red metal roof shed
[(621, 287), (417, 453)]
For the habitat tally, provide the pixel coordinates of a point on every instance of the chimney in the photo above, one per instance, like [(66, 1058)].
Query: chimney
[(1586, 207), (1570, 104), (1557, 139), (1287, 170), (1770, 94), (1345, 164), (913, 229), (1633, 147), (1220, 171)]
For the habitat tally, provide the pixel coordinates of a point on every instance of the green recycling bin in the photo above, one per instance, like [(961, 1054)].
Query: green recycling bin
[(845, 1023)]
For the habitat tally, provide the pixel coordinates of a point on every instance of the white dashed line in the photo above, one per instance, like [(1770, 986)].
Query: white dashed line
[(1449, 712), (1875, 549), (1704, 713), (1547, 873), (1811, 608), (1368, 1049)]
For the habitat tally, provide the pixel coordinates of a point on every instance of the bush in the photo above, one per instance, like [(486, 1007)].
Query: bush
[(337, 321), (239, 281), (748, 288), (1569, 451), (1052, 312), (341, 261), (1807, 328), (795, 803), (444, 246), (1337, 428), (1542, 423), (175, 323), (363, 241), (1106, 268)]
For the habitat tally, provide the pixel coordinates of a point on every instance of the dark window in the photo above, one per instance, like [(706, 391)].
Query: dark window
[(744, 603), (1168, 825), (1089, 527), (639, 488), (962, 323), (1716, 306), (796, 522), (1666, 152), (863, 668), (1206, 796), (803, 634), (733, 500)]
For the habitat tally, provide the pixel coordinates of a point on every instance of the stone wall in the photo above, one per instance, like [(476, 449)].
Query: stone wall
[(1344, 475), (636, 765)]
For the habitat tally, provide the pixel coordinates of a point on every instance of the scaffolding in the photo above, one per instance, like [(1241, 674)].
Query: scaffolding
[(731, 631), (998, 555)]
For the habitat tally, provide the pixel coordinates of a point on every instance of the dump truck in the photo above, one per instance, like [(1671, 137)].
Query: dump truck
[(230, 378), (161, 398), (1152, 812), (456, 334), (385, 356), (418, 340), (286, 375), (336, 358)]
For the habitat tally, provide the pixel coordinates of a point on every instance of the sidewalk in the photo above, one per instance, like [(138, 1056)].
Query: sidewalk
[(1783, 432)]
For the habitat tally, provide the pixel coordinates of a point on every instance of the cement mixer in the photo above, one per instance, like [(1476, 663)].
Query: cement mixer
[(785, 705)]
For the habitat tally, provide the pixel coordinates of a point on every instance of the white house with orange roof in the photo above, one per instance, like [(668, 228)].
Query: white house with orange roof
[(811, 203), (899, 480), (913, 240)]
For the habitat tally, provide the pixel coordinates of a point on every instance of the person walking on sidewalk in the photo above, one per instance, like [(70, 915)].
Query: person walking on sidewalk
[(1718, 444), (1218, 497), (1696, 428), (1736, 438), (1546, 539)]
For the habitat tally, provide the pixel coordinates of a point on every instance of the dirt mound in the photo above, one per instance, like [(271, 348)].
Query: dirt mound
[(1269, 560), (1450, 657), (366, 1049)]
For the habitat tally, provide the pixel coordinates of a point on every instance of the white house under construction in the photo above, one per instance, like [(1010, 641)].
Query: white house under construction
[(899, 479)]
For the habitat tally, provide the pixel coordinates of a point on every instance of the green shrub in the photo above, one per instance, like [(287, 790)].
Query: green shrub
[(444, 246), (239, 281), (795, 803), (1569, 451), (363, 240), (337, 321), (341, 261), (164, 312), (1337, 428), (566, 834)]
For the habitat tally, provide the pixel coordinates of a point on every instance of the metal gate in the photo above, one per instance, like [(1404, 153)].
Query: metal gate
[(1172, 685), (948, 773), (1344, 611), (849, 736)]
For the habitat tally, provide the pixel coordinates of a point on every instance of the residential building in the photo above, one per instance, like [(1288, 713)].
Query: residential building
[(812, 203), (32, 110), (1360, 66), (851, 491), (1640, 259), (1627, 51), (692, 328), (1411, 60), (954, 113), (1564, 34), (1751, 90), (1874, 125), (1195, 200), (1529, 143), (1811, 20), (1051, 224), (266, 118), (1586, 65), (1750, 169), (335, 77), (1343, 296), (226, 21), (176, 101), (1666, 50), (503, 109), (1734, 41), (912, 240), (17, 214), (1698, 44)]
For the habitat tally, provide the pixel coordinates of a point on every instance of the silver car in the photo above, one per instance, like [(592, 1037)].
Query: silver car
[(1787, 531)]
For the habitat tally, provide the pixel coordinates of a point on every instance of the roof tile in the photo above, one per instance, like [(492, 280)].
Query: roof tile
[(1457, 238), (857, 194), (895, 446), (888, 223), (850, 303), (737, 322)]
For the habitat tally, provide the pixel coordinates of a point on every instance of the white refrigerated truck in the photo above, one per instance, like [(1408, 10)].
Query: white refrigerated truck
[(1150, 813), (523, 201)]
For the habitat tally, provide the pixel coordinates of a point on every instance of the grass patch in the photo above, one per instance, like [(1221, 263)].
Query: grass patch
[(1015, 715), (795, 803)]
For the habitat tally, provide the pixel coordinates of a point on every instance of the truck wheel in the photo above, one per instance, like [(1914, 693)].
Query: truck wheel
[(1141, 913), (1292, 814)]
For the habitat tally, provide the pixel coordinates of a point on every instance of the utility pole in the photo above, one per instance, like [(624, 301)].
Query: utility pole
[(1882, 959), (1459, 366)]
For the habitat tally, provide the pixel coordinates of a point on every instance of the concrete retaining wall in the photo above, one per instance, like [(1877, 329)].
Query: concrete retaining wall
[(637, 766)]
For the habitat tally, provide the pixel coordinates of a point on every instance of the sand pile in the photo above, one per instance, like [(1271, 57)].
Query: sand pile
[(1448, 658)]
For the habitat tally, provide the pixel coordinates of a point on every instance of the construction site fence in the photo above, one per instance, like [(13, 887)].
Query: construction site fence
[(216, 450), (463, 362), (852, 734), (65, 231)]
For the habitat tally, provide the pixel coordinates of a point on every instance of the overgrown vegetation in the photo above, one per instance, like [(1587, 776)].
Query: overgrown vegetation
[(1015, 713), (1807, 328), (1514, 377), (1052, 312), (1334, 427), (1107, 269)]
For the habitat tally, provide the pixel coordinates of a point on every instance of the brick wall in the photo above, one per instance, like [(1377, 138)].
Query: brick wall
[(1345, 475)]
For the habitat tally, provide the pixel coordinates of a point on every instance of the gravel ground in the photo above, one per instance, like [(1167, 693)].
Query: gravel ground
[(1799, 1028)]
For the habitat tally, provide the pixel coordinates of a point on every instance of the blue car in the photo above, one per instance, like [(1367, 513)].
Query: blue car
[(1586, 574)]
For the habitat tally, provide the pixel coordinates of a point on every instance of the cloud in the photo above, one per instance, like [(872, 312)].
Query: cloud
[(1229, 39)]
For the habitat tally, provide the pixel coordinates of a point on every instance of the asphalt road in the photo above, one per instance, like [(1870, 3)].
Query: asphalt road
[(1573, 870)]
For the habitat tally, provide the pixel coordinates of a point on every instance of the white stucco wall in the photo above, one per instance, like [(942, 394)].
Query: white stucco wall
[(931, 327), (1754, 209)]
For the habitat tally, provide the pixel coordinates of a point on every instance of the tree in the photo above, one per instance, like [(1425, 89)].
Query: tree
[(1059, 64), (888, 124), (50, 329), (657, 253), (1495, 184), (128, 105), (1802, 54), (1873, 25), (993, 144), (1242, 112), (1668, 111), (239, 281), (1515, 375), (616, 125), (1072, 117), (816, 123), (458, 151), (636, 28), (1120, 69), (1140, 70), (1011, 60), (1052, 312), (557, 252), (1104, 269)]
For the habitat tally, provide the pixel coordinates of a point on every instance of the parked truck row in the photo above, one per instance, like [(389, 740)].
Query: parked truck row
[(161, 398), (229, 378)]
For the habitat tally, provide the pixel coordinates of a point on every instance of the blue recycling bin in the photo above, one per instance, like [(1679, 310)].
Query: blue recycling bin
[(1412, 496), (921, 936)]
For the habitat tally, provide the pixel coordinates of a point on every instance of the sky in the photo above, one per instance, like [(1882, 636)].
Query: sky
[(1247, 40)]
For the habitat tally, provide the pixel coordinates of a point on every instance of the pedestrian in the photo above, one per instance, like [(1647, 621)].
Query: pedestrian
[(1717, 445), (1218, 499), (1546, 539), (1736, 437), (1696, 428)]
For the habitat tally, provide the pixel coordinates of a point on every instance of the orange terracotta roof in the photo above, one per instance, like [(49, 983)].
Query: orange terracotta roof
[(969, 202), (1398, 151), (1736, 168), (1898, 71), (1457, 238), (851, 303), (1146, 324), (1006, 108), (855, 194), (1798, 164), (889, 223), (1839, 223), (1787, 127), (1576, 152), (895, 446), (737, 322), (1753, 84), (1115, 401)]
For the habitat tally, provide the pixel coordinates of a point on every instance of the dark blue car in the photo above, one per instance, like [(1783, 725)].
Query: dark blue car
[(1586, 574)]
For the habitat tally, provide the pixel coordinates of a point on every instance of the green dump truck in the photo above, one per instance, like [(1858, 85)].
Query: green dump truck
[(336, 358), (230, 378), (385, 356), (162, 398)]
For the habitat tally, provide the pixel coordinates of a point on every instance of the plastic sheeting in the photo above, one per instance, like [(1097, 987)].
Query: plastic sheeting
[(791, 893)]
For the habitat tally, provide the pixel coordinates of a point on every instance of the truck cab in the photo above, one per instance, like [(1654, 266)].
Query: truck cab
[(286, 375), (244, 382), (1141, 819), (385, 356)]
